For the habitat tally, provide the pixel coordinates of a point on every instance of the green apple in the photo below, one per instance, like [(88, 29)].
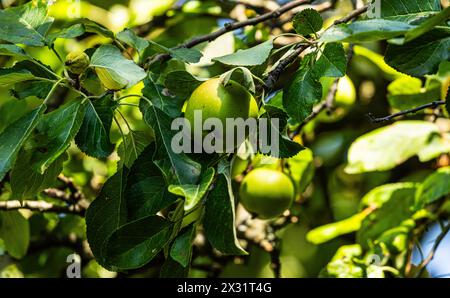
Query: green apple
[(266, 192), (218, 101)]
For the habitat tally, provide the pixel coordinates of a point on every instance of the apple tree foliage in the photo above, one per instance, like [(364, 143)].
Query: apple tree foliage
[(364, 190)]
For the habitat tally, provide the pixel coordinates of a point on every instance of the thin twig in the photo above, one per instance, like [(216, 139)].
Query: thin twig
[(436, 244), (432, 105), (352, 15), (237, 25)]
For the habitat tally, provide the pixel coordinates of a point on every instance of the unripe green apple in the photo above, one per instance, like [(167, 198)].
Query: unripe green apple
[(77, 62), (218, 101), (266, 192)]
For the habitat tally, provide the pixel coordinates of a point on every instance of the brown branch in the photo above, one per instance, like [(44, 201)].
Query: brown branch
[(432, 105), (250, 22), (76, 195), (275, 74), (42, 206), (228, 27), (352, 15)]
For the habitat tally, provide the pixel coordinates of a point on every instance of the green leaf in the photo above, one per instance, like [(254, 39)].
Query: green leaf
[(186, 55), (387, 147), (81, 27), (286, 147), (378, 60), (328, 232), (26, 24), (130, 38), (54, 132), (428, 25), (398, 208), (181, 83), (132, 146), (173, 269), (35, 88), (307, 22), (381, 194), (13, 51), (422, 55), (407, 92), (246, 80), (302, 169), (136, 243), (364, 31), (181, 250), (14, 136), (161, 98), (396, 239), (15, 233), (410, 11), (26, 183), (110, 59), (436, 186), (194, 193), (93, 136), (332, 62), (256, 55), (106, 214), (220, 205), (177, 168), (94, 27), (146, 190), (10, 76), (302, 94), (67, 33)]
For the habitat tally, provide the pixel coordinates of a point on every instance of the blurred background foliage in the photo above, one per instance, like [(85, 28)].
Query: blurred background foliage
[(330, 193)]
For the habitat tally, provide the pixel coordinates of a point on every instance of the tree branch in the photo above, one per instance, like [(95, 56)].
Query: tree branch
[(42, 206), (436, 244), (352, 15), (228, 27), (432, 105), (250, 22), (275, 74)]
